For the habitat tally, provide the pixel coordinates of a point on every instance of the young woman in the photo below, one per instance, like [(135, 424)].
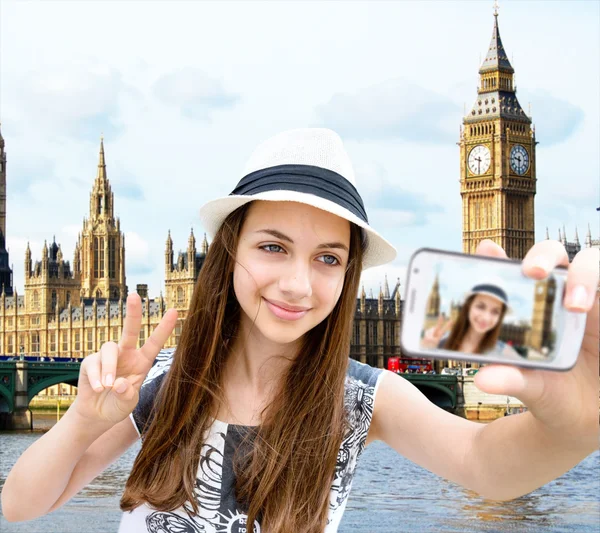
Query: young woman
[(477, 327), (257, 418)]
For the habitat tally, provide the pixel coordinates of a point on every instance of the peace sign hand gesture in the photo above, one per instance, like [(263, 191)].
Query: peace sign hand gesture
[(434, 335), (110, 380)]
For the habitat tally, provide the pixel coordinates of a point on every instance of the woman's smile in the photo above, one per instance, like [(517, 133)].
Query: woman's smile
[(285, 312)]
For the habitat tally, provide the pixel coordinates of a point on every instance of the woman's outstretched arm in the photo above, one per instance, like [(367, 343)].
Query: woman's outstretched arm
[(43, 471)]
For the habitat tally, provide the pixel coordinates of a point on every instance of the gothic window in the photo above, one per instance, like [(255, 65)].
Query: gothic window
[(10, 345), (68, 297), (22, 346), (36, 300), (35, 343), (101, 243), (90, 340), (53, 304), (101, 336), (96, 257), (98, 293), (65, 342), (180, 299), (77, 341), (142, 337), (371, 333), (177, 332), (52, 341), (115, 334), (357, 332), (99, 205), (112, 252)]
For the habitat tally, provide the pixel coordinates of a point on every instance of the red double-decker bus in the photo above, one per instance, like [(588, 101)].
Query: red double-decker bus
[(400, 365)]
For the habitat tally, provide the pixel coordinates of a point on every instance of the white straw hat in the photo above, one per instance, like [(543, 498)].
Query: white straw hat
[(309, 166)]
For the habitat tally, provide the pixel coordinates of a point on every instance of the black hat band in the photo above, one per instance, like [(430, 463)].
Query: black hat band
[(308, 179)]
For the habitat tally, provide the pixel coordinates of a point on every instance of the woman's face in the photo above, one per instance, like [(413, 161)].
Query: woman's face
[(290, 266), (484, 313)]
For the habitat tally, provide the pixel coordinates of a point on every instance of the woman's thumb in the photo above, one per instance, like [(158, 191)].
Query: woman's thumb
[(522, 383), (124, 389)]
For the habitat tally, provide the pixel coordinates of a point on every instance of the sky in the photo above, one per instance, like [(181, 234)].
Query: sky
[(184, 91)]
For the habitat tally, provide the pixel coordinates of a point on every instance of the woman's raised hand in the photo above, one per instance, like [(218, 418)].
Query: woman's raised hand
[(434, 335), (110, 380)]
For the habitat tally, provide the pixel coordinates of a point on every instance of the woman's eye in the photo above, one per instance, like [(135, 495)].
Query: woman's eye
[(274, 248), (330, 257)]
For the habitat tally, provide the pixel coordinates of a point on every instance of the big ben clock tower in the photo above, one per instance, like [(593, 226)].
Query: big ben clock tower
[(497, 160)]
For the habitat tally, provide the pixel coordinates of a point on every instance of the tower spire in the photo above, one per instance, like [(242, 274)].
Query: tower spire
[(386, 293), (101, 175), (496, 58)]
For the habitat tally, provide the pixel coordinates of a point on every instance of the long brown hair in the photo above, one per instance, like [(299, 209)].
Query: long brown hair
[(461, 326), (284, 480)]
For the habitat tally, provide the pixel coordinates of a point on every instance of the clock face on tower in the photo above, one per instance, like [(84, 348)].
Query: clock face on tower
[(479, 159), (519, 159)]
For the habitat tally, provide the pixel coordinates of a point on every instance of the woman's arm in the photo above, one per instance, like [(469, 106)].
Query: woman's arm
[(406, 420), (42, 472), (58, 464)]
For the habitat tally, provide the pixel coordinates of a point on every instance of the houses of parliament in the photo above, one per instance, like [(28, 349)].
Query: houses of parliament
[(71, 310)]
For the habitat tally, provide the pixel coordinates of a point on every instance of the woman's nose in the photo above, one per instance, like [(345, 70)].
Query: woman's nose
[(296, 282)]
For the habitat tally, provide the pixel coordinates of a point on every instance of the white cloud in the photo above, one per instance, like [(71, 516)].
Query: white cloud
[(193, 92), (396, 109), (75, 100)]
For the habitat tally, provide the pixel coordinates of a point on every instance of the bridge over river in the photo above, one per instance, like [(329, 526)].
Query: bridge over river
[(20, 381)]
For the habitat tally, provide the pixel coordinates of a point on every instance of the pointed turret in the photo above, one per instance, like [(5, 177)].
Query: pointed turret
[(496, 58), (497, 96), (577, 237), (588, 238), (205, 245), (101, 174), (1, 138), (386, 293), (363, 301), (192, 240), (564, 236), (547, 234), (44, 254)]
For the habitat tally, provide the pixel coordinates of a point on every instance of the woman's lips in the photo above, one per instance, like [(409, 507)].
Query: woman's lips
[(284, 314)]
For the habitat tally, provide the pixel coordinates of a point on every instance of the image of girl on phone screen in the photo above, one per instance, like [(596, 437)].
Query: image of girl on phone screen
[(477, 327), (255, 421)]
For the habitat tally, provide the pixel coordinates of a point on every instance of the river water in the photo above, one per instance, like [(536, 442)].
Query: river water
[(389, 495)]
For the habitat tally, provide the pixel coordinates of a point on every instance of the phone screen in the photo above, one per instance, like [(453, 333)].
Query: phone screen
[(487, 308)]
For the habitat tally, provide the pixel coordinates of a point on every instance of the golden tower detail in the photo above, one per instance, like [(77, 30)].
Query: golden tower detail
[(497, 160), (541, 319), (100, 248)]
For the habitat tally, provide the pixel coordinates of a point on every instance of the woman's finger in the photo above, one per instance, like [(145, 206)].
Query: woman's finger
[(489, 248), (582, 281), (159, 336), (543, 257), (93, 371), (438, 326), (132, 323), (109, 354), (447, 326)]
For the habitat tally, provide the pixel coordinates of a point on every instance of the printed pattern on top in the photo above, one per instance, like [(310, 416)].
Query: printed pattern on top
[(215, 480)]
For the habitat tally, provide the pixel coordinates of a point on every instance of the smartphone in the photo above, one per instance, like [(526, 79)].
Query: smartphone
[(472, 308)]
